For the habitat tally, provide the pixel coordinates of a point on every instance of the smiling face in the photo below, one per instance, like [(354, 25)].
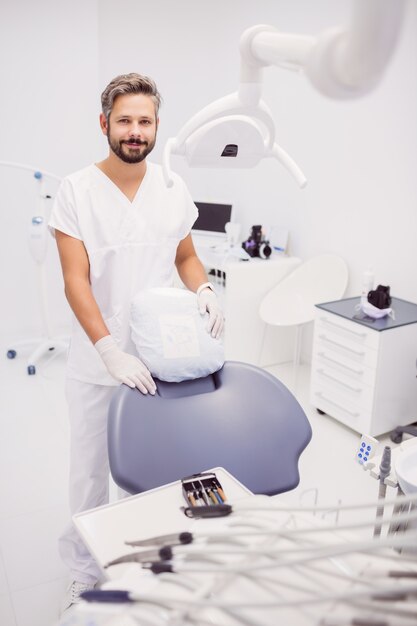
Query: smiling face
[(131, 127)]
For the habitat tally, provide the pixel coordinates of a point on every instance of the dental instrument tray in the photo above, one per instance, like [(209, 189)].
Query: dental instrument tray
[(106, 529), (203, 490)]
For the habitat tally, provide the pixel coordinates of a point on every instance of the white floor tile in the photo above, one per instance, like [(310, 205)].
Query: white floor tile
[(39, 605), (33, 476), (33, 447), (7, 616), (29, 547)]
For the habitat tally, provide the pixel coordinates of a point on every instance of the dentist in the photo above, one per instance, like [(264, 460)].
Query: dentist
[(119, 230)]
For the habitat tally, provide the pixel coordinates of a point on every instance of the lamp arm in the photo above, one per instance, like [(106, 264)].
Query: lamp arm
[(340, 63), (230, 105), (166, 161), (290, 165)]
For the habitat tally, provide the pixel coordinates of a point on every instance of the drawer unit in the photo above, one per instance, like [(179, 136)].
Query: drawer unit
[(345, 366), (328, 401), (350, 351), (364, 372), (346, 329), (355, 392)]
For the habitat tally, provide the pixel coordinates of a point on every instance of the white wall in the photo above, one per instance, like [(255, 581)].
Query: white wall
[(359, 156), (49, 109)]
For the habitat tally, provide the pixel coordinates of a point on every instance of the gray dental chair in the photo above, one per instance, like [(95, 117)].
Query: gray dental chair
[(240, 418)]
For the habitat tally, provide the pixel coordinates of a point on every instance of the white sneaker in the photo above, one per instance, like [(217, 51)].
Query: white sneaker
[(73, 592)]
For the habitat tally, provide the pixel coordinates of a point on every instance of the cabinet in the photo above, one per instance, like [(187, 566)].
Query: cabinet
[(246, 336), (364, 372)]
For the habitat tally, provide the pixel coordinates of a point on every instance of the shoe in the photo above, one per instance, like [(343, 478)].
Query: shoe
[(73, 592)]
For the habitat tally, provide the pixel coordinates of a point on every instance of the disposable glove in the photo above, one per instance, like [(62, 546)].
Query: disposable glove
[(207, 302), (124, 367)]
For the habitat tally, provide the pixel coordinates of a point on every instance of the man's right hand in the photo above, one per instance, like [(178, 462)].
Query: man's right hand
[(124, 367)]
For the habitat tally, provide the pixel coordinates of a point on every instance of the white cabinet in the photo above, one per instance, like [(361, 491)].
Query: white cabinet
[(364, 373)]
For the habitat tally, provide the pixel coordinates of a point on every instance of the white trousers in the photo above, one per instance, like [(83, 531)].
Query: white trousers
[(89, 469)]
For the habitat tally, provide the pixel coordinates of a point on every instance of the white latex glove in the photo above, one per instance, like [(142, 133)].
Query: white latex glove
[(124, 367), (207, 302)]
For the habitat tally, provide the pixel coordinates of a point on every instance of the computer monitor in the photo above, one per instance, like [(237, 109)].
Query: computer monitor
[(212, 218)]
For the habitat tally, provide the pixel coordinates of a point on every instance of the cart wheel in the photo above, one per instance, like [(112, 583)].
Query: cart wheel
[(31, 370), (396, 437), (11, 354), (320, 412)]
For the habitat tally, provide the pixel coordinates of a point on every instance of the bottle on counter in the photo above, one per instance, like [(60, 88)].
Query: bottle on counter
[(367, 284)]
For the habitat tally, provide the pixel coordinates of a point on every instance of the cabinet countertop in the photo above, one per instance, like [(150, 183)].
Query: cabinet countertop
[(404, 312)]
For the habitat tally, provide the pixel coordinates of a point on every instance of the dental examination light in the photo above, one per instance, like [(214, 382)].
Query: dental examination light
[(38, 242), (238, 130)]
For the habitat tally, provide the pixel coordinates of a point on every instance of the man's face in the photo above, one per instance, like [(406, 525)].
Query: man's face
[(131, 127)]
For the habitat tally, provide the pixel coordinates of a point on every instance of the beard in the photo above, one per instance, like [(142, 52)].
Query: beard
[(122, 150)]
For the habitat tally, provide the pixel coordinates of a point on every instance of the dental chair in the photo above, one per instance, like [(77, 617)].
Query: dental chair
[(241, 418)]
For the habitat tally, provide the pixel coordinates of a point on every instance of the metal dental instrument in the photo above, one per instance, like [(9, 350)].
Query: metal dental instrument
[(187, 537), (203, 494), (384, 471), (161, 540), (231, 534), (149, 558), (136, 557), (399, 509), (165, 553)]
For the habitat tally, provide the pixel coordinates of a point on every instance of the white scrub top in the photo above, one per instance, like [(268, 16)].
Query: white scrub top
[(130, 246)]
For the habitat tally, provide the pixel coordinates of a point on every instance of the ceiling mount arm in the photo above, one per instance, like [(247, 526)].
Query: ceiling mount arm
[(340, 62), (263, 45), (350, 63)]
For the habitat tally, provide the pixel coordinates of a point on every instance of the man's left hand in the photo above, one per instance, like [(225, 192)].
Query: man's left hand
[(207, 301)]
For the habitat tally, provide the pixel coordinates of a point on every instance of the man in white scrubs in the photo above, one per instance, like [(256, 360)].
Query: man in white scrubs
[(119, 229)]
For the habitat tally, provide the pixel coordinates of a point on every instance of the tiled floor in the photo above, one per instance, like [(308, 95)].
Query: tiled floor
[(33, 482)]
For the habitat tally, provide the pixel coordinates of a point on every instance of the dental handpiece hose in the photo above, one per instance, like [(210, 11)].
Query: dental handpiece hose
[(384, 471)]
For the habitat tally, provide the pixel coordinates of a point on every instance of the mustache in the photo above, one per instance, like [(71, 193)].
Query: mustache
[(135, 142)]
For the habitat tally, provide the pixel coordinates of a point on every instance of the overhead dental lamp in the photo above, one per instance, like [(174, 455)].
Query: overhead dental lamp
[(238, 130)]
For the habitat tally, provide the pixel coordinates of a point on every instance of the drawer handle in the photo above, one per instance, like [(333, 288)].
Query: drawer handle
[(323, 373), (348, 367), (349, 330), (341, 345), (342, 408)]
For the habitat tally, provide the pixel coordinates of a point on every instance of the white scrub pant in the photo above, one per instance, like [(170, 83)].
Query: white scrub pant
[(89, 469)]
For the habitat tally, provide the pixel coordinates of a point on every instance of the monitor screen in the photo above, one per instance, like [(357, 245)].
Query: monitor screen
[(212, 217)]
